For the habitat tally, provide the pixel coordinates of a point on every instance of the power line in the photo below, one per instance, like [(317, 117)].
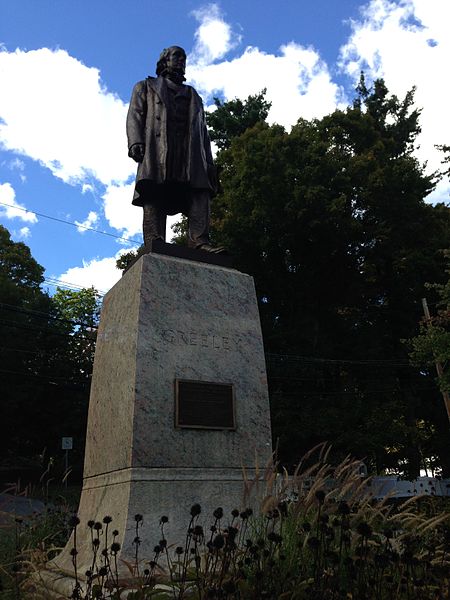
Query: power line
[(272, 359), (44, 315), (117, 237), (53, 380), (70, 286), (286, 358), (77, 336)]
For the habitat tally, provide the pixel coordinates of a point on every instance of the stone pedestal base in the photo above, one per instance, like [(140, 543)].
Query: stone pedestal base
[(170, 319)]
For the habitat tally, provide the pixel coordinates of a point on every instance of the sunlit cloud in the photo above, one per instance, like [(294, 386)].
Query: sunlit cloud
[(297, 80), (10, 208), (214, 37), (14, 165), (119, 211), (90, 220), (74, 126), (24, 233), (407, 43), (87, 187), (101, 273)]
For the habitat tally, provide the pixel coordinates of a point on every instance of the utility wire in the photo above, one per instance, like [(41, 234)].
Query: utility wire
[(286, 358), (273, 359), (77, 383), (70, 286), (117, 237), (40, 330), (44, 315)]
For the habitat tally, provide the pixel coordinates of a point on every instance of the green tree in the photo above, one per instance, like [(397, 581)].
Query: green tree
[(331, 221), (24, 320), (432, 345), (46, 352), (232, 118), (78, 313)]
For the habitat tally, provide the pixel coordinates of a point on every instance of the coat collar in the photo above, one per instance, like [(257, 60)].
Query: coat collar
[(159, 85)]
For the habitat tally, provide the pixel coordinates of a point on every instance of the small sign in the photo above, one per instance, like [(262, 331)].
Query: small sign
[(204, 405), (67, 443)]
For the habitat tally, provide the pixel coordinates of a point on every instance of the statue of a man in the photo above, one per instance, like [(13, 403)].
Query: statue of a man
[(167, 136)]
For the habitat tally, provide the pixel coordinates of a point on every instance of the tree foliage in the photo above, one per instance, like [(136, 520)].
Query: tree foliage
[(47, 347), (432, 345), (331, 221), (232, 118)]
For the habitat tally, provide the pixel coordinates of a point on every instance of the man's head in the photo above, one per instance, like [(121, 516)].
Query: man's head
[(172, 62)]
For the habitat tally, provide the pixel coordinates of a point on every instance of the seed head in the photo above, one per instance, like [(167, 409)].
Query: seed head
[(320, 496), (74, 521), (343, 508), (219, 542), (364, 529), (218, 513)]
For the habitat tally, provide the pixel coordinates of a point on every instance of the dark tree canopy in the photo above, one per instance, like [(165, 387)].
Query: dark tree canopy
[(432, 345), (46, 350), (331, 221), (231, 119)]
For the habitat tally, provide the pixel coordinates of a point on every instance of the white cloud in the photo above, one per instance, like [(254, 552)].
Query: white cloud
[(73, 126), (214, 36), (297, 80), (87, 187), (14, 210), (407, 43), (15, 164), (24, 233), (119, 211), (90, 220), (126, 217), (98, 272)]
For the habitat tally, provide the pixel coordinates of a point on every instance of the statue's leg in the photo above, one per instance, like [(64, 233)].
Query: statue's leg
[(198, 215), (154, 223)]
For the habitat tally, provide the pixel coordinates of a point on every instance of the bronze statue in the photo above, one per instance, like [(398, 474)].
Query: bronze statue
[(167, 136)]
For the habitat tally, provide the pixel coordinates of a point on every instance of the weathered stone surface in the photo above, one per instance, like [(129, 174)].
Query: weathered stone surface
[(170, 319)]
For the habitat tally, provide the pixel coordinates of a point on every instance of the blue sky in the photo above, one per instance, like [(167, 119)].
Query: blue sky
[(67, 69)]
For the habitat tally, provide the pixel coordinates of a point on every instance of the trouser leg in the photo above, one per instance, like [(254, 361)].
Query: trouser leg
[(154, 223), (198, 215)]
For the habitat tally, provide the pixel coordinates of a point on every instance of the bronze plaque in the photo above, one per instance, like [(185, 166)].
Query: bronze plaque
[(204, 405)]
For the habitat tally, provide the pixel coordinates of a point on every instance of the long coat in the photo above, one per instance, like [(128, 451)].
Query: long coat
[(147, 124)]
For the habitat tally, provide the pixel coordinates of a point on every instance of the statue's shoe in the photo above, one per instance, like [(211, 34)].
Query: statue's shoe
[(213, 249)]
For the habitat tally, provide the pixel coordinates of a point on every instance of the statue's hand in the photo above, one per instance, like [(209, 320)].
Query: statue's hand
[(137, 152)]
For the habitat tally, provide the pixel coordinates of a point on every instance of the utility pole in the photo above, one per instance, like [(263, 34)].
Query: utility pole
[(439, 371)]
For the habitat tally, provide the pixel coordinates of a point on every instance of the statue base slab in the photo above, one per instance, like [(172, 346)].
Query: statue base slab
[(168, 320)]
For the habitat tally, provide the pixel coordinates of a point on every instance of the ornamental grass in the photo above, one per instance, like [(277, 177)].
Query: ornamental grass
[(319, 534)]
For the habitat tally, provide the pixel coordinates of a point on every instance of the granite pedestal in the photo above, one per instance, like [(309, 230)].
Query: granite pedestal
[(170, 319)]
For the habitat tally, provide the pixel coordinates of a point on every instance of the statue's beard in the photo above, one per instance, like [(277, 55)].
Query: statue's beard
[(175, 75)]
